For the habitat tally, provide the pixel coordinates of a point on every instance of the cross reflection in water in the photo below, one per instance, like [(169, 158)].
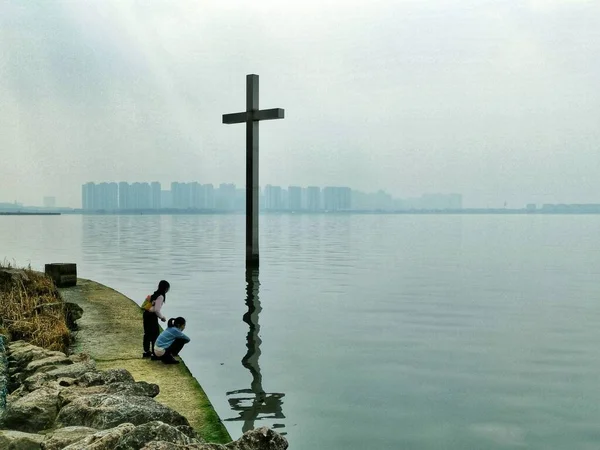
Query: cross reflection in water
[(254, 404)]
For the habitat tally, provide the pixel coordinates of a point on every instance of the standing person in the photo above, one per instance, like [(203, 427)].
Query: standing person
[(171, 341), (151, 316)]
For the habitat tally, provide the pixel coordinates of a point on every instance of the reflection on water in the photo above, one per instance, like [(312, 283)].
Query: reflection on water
[(254, 404)]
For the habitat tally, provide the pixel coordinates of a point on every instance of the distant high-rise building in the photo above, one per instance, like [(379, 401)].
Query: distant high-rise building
[(273, 198), (313, 198), (209, 196), (295, 198), (136, 196), (240, 200), (49, 202), (88, 196), (103, 196), (226, 197), (156, 202), (182, 198), (196, 195), (337, 198), (124, 195)]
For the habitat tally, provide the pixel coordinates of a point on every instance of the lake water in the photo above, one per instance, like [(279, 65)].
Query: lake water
[(378, 332)]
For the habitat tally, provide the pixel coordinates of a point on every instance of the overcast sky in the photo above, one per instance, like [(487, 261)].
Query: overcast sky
[(498, 100)]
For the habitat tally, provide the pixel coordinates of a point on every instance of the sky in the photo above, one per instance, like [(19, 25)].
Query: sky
[(494, 99)]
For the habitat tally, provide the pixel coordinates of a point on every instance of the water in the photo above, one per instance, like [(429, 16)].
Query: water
[(380, 332)]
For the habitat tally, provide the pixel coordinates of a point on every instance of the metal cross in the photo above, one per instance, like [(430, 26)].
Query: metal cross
[(251, 117)]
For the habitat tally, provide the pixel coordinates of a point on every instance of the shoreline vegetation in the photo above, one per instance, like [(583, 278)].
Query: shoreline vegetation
[(31, 309), (65, 385)]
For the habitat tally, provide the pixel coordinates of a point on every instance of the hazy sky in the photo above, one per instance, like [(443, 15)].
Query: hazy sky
[(498, 100)]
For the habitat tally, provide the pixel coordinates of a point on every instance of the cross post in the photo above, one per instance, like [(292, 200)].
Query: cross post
[(251, 117)]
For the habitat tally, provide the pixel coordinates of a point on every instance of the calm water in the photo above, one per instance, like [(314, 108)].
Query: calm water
[(379, 332)]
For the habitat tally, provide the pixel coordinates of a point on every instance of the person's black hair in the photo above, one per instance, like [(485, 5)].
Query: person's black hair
[(176, 322), (163, 287)]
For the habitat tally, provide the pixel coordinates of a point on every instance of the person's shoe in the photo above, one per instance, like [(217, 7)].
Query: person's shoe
[(155, 358), (169, 360), (146, 355)]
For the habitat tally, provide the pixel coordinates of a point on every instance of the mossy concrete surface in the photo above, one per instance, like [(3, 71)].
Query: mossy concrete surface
[(111, 331)]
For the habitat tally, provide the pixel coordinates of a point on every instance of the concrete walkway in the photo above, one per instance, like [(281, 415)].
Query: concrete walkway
[(110, 331)]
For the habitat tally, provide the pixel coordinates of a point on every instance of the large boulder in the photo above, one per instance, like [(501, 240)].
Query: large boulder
[(63, 437), (109, 376), (102, 440), (154, 431), (21, 354), (74, 370), (33, 412), (17, 440), (46, 364), (103, 411), (143, 389)]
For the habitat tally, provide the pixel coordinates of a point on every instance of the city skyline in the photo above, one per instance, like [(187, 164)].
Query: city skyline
[(113, 196)]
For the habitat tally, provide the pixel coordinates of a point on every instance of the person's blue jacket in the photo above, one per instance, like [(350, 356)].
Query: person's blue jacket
[(168, 336)]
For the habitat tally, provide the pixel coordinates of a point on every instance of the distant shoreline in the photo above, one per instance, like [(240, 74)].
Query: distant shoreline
[(33, 213), (469, 211)]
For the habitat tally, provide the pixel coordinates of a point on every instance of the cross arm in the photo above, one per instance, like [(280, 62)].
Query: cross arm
[(269, 114), (263, 114), (234, 118)]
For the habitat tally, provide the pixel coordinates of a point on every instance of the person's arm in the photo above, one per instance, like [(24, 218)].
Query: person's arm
[(158, 303), (179, 334)]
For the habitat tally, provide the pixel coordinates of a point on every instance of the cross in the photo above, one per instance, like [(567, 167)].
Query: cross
[(251, 117)]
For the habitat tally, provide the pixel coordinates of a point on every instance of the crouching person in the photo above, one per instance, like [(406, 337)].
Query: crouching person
[(171, 341)]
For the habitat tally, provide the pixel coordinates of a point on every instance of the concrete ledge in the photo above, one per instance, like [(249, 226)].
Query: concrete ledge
[(110, 331)]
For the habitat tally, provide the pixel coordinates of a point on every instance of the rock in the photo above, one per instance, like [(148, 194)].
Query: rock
[(153, 431), (12, 277), (74, 370), (51, 361), (73, 312), (260, 439), (104, 411), (143, 389), (35, 411), (63, 437), (3, 373), (189, 432), (102, 440), (17, 393), (105, 377), (80, 357), (20, 354), (162, 445), (17, 440)]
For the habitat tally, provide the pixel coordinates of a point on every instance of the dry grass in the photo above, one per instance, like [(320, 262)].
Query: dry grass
[(24, 316)]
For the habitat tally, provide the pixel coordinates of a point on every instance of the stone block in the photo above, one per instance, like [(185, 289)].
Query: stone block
[(63, 274)]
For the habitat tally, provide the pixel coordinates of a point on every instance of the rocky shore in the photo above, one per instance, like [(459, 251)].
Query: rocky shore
[(57, 401)]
